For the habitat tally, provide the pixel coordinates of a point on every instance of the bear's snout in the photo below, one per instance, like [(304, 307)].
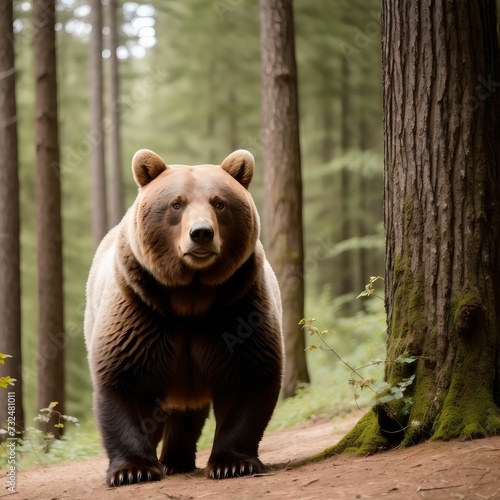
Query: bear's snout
[(200, 244), (202, 233)]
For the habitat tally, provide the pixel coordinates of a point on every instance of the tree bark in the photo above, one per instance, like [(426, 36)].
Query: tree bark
[(10, 284), (115, 181), (282, 177), (51, 336), (352, 278), (442, 216), (346, 262), (96, 136)]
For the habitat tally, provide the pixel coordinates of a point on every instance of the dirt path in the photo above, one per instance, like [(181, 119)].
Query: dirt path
[(463, 470)]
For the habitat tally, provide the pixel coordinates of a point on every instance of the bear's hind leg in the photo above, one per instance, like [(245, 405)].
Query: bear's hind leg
[(131, 429), (182, 430), (240, 423)]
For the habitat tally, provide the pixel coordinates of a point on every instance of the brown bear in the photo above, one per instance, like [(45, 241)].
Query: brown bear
[(183, 311)]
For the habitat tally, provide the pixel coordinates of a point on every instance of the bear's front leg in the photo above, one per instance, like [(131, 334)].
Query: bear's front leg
[(131, 428), (241, 418)]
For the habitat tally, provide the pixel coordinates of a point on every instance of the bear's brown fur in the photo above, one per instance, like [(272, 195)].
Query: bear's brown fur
[(183, 311)]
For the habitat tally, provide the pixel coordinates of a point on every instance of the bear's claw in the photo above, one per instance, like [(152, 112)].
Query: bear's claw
[(237, 468), (134, 474)]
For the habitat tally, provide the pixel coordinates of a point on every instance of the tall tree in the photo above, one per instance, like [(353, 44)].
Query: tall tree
[(115, 179), (346, 260), (51, 335), (96, 136), (442, 215), (282, 176), (10, 284)]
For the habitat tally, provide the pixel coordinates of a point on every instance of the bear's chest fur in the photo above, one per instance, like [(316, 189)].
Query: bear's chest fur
[(185, 359)]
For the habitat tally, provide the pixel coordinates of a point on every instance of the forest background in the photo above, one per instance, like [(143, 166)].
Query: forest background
[(190, 90)]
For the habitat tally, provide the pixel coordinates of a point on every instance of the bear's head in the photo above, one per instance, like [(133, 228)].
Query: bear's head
[(193, 222)]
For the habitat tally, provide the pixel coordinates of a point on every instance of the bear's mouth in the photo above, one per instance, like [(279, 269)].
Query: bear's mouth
[(201, 253)]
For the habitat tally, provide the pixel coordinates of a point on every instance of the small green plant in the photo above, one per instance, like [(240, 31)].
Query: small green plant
[(46, 414), (31, 441), (370, 289), (383, 392)]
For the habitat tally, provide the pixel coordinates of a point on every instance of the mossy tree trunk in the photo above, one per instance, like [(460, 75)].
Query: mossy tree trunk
[(442, 215), (282, 177)]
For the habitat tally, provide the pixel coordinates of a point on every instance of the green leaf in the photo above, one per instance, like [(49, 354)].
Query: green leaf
[(385, 399), (407, 406), (406, 359), (327, 332), (381, 387)]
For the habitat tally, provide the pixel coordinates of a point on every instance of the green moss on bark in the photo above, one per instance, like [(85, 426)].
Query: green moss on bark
[(408, 324), (363, 439), (407, 329), (425, 404), (468, 410)]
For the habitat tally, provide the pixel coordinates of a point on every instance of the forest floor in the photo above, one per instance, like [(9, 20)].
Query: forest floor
[(455, 469)]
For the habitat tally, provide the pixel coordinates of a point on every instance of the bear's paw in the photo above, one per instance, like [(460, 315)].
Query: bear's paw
[(234, 467), (133, 472)]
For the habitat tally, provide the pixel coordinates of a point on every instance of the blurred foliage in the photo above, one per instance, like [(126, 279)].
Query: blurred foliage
[(194, 97)]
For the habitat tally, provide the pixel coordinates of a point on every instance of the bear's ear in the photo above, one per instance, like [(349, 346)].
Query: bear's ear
[(240, 166), (146, 166)]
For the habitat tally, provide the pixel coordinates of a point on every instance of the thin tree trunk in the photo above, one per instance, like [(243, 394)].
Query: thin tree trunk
[(51, 336), (98, 173), (282, 177), (327, 144), (365, 218), (10, 279), (442, 215), (233, 114), (330, 188), (345, 262), (115, 180)]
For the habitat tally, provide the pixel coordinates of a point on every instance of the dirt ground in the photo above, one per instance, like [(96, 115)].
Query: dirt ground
[(456, 469)]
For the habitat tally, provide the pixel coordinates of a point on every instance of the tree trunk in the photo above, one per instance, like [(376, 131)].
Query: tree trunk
[(345, 262), (282, 177), (233, 115), (10, 284), (442, 215), (51, 336), (330, 189), (96, 136), (115, 181)]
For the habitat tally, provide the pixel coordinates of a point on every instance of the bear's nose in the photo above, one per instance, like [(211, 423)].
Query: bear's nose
[(202, 233)]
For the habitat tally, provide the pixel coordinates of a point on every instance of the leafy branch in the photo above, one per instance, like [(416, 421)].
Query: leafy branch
[(370, 289), (383, 391), (46, 414)]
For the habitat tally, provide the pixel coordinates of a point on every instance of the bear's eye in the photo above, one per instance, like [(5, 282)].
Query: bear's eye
[(220, 205), (176, 205)]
